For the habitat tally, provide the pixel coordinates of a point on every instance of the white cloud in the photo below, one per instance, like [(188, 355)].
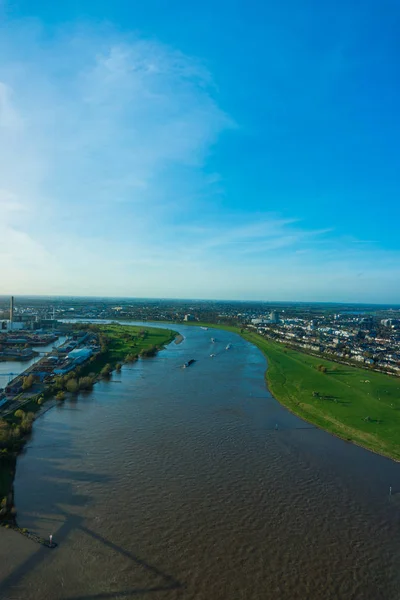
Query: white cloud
[(105, 187)]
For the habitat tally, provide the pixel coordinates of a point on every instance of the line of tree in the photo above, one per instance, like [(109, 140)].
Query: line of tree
[(12, 434), (152, 351)]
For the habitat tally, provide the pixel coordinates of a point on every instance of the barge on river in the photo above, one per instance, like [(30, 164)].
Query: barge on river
[(188, 363)]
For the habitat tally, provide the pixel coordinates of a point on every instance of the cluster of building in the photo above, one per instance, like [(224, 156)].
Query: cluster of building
[(367, 341), (364, 335), (74, 352), (24, 345)]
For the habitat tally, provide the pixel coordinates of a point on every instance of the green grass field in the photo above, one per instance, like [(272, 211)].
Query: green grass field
[(346, 395), (124, 340)]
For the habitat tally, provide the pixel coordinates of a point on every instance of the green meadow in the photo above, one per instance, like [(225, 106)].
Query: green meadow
[(358, 405)]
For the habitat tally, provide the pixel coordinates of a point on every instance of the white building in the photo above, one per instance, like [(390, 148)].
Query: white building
[(80, 354), (11, 325)]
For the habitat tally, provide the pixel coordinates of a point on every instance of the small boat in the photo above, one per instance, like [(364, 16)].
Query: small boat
[(213, 340), (228, 346), (212, 355), (188, 363), (205, 328)]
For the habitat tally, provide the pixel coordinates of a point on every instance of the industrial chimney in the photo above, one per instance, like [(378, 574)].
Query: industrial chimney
[(12, 309)]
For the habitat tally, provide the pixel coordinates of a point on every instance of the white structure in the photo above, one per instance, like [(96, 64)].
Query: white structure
[(11, 325), (80, 354), (274, 317)]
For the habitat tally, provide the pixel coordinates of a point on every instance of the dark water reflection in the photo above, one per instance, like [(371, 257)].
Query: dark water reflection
[(173, 483)]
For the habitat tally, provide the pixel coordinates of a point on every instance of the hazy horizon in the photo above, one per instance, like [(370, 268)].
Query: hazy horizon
[(6, 297), (140, 158)]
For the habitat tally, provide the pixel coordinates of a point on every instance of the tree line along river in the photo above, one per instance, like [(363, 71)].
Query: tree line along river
[(196, 484)]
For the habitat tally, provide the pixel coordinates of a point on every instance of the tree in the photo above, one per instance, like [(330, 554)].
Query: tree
[(118, 366), (20, 414), (72, 386), (27, 382), (60, 395), (106, 370), (26, 423), (85, 383), (59, 382)]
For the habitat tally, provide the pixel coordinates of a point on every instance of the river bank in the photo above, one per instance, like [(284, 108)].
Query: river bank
[(119, 344), (356, 405), (171, 482)]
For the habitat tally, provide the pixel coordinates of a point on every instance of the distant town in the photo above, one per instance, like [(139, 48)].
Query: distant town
[(363, 335)]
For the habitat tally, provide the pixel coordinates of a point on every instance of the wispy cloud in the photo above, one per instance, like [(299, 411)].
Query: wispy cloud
[(105, 185), (99, 136)]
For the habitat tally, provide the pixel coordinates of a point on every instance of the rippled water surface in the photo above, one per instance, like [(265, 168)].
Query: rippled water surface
[(171, 483)]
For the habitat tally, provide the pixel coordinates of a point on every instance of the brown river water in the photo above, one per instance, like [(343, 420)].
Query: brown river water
[(171, 483)]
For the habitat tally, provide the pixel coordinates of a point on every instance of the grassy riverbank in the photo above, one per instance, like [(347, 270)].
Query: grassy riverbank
[(355, 404), (127, 339), (127, 343)]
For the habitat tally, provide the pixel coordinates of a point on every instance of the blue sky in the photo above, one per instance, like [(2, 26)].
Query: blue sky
[(238, 150)]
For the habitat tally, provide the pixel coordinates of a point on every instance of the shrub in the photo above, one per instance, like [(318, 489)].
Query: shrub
[(152, 351), (27, 382), (106, 370), (26, 423), (72, 386), (130, 357), (60, 396), (118, 366), (85, 383), (20, 414)]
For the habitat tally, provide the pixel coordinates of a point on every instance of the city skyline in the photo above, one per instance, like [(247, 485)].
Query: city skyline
[(140, 158)]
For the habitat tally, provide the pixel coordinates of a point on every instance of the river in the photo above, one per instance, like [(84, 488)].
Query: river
[(174, 483)]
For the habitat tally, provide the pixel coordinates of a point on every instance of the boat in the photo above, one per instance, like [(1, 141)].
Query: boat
[(213, 340), (205, 328), (228, 346), (188, 363), (212, 355)]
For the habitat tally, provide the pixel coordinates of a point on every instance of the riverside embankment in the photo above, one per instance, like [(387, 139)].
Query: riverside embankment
[(175, 483), (117, 343), (358, 405)]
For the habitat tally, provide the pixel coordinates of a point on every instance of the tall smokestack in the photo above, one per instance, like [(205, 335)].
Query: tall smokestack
[(12, 309)]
